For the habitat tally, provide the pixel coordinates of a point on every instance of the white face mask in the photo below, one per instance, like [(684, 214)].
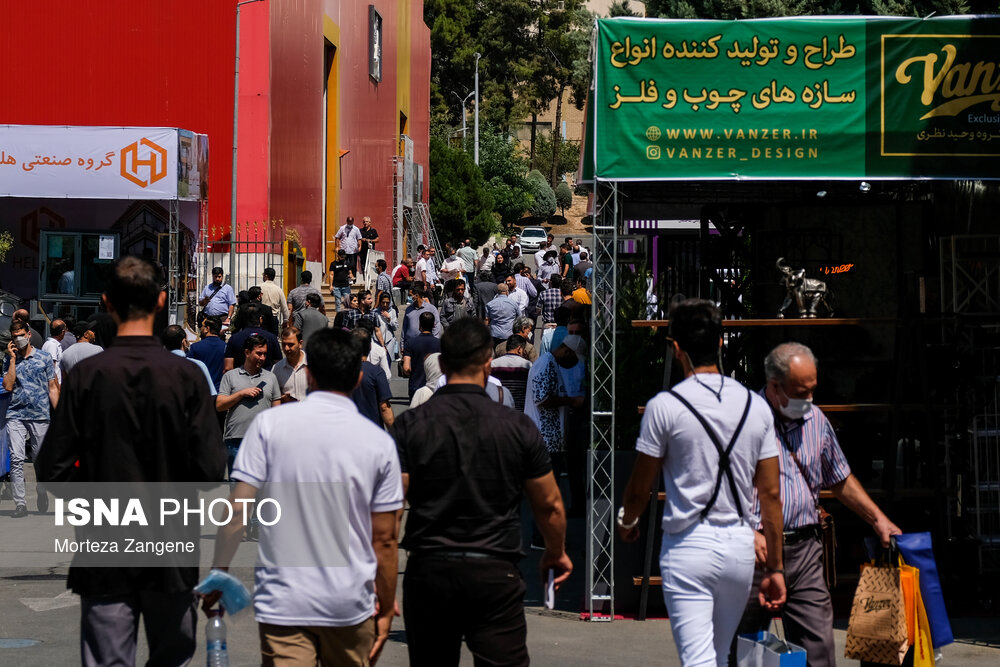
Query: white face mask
[(21, 342), (797, 408)]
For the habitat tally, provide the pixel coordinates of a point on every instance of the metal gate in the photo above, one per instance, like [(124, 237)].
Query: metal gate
[(257, 246)]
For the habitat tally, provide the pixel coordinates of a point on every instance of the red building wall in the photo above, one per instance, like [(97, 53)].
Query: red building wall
[(124, 63), (127, 63), (296, 141)]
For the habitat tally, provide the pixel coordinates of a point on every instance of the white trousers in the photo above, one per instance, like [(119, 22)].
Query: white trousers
[(707, 572)]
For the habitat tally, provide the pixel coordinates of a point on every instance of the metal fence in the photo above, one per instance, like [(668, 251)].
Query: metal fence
[(257, 246)]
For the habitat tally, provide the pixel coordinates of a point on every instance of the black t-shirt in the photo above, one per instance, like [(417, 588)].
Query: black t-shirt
[(341, 273), (417, 349), (367, 235), (234, 348), (372, 392), (468, 458)]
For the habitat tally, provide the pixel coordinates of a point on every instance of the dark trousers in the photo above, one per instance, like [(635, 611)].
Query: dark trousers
[(808, 614), (109, 625), (352, 261), (480, 600), (577, 439)]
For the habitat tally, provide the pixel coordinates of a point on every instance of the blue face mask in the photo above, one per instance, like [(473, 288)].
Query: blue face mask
[(235, 595)]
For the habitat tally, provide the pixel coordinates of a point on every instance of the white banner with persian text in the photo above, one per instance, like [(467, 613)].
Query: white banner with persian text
[(102, 162)]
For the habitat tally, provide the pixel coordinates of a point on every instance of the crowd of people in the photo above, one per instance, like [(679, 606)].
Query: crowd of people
[(273, 392)]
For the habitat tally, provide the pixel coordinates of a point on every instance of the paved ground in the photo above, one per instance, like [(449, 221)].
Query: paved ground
[(37, 607)]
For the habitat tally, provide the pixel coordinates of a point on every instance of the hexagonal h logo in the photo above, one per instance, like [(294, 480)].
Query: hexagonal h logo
[(154, 163), (40, 218)]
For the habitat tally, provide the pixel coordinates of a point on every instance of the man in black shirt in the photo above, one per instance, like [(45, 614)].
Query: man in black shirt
[(369, 237), (372, 394), (341, 277), (466, 461), (134, 413), (417, 349)]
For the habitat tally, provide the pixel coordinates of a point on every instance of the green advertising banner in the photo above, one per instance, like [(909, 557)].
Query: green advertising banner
[(795, 98)]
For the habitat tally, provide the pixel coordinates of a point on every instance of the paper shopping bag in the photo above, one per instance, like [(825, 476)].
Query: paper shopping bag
[(923, 652), (908, 580), (876, 631), (763, 649)]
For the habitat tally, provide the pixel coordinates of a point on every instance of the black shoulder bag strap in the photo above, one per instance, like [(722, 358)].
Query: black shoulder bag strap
[(724, 467)]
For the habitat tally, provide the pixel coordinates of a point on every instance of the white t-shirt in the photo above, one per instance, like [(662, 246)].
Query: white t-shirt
[(520, 297), (54, 349), (690, 460), (452, 268), (379, 357), (419, 269), (293, 443), (431, 269), (493, 389)]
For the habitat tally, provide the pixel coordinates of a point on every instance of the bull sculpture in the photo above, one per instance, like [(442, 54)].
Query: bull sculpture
[(806, 293)]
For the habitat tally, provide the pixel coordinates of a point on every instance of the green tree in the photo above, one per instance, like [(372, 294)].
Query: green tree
[(569, 155), (500, 31), (543, 198), (564, 196), (503, 170), (460, 206), (6, 244), (622, 8), (566, 37)]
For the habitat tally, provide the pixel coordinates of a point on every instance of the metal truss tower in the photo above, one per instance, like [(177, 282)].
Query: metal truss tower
[(601, 461)]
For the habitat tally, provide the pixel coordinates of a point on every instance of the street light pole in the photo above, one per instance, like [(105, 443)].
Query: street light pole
[(236, 112), (476, 130), (464, 116)]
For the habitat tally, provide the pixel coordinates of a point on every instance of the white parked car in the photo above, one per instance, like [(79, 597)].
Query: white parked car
[(532, 238)]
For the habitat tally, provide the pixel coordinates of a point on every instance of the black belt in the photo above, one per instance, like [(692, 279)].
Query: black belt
[(454, 555), (801, 534)]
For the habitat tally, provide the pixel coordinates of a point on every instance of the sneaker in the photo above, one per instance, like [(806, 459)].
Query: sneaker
[(19, 512), (42, 501)]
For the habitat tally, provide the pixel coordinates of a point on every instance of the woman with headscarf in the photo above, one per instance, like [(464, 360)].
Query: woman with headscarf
[(501, 269), (432, 370)]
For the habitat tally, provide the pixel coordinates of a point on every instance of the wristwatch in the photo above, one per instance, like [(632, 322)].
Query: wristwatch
[(621, 520)]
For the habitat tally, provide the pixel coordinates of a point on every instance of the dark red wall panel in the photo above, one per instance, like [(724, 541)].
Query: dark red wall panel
[(297, 151)]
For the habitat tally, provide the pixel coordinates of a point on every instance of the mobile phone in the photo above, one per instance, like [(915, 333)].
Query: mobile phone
[(263, 383)]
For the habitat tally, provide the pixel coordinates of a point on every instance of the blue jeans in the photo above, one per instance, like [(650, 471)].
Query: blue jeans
[(232, 448), (339, 293)]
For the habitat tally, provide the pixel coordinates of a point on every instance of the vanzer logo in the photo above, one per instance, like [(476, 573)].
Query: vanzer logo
[(871, 604), (155, 161), (952, 87)]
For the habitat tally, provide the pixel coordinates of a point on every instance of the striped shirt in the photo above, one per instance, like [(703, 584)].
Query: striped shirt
[(814, 442)]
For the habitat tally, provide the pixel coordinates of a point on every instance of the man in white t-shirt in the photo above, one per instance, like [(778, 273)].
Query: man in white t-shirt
[(713, 440), (53, 345), (317, 613)]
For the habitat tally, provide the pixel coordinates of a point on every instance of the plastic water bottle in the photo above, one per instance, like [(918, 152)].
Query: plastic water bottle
[(215, 636)]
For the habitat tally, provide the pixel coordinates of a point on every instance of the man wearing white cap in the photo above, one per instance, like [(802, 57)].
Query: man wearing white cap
[(555, 386)]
